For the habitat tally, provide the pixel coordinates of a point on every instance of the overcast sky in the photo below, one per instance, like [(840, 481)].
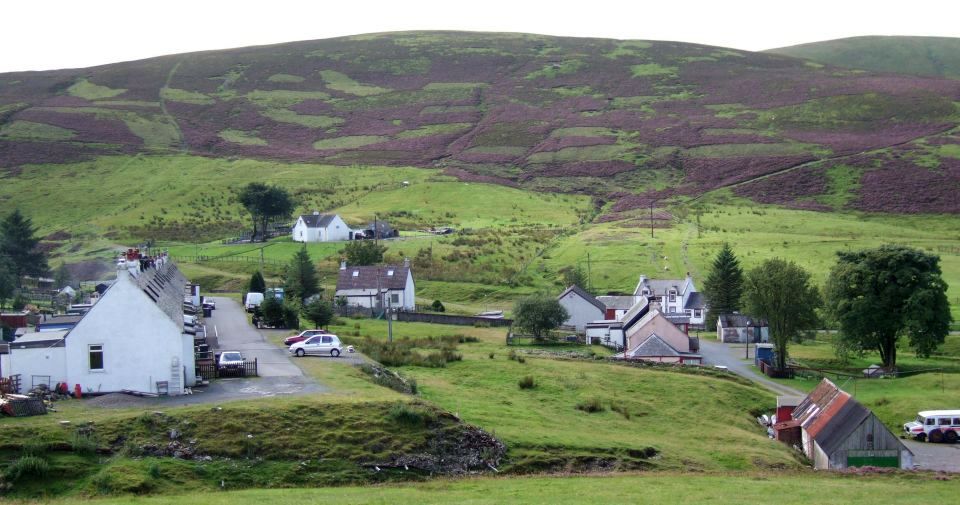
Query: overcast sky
[(47, 34)]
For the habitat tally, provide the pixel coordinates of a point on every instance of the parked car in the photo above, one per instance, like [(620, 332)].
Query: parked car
[(209, 304), (231, 360), (252, 301), (318, 344), (935, 426), (305, 334)]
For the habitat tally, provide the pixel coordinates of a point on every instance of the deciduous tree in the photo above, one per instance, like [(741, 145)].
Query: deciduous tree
[(780, 292), (878, 295), (723, 287), (539, 314), (363, 253)]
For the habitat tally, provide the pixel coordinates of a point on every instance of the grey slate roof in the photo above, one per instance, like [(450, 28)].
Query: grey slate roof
[(659, 287), (740, 321), (366, 277), (317, 220), (164, 285), (653, 346), (617, 302), (582, 293), (696, 301)]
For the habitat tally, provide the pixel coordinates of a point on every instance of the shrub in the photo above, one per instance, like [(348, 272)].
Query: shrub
[(620, 409), (26, 466), (83, 444), (527, 382), (491, 355), (410, 414), (521, 360), (512, 355), (590, 406), (437, 306), (34, 447)]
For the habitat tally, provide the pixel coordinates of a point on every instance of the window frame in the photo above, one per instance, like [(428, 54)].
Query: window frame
[(95, 349)]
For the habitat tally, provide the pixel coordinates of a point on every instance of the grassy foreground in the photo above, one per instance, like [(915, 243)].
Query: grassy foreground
[(664, 489)]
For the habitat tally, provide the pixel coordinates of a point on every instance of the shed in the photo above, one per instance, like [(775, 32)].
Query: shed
[(741, 328), (582, 307), (838, 432)]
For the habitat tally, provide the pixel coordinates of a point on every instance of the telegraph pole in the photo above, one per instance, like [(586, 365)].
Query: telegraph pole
[(651, 217), (589, 283)]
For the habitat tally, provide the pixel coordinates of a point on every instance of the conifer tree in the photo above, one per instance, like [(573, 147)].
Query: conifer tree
[(301, 276), (724, 286), (257, 283), (19, 247)]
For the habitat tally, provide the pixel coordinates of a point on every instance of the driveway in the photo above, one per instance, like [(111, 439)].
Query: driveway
[(938, 457), (717, 354), (235, 333)]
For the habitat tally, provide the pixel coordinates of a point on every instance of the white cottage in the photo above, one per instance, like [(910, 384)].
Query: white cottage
[(132, 339), (377, 286), (582, 308), (319, 227)]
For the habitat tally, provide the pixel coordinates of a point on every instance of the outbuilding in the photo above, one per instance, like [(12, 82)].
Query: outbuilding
[(838, 432), (582, 308), (741, 328)]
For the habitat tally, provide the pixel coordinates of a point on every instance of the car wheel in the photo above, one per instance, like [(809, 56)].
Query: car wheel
[(336, 352), (300, 353), (935, 436), (950, 437), (921, 437)]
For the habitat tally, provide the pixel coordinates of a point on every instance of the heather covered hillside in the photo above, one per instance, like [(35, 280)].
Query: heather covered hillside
[(930, 56), (626, 121)]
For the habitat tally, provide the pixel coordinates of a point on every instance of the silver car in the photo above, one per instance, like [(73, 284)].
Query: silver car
[(321, 345)]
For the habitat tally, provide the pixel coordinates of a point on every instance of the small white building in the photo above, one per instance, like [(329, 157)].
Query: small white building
[(132, 339), (319, 227), (377, 287), (740, 328), (581, 306)]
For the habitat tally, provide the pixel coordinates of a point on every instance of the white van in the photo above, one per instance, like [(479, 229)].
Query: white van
[(252, 301), (935, 426)]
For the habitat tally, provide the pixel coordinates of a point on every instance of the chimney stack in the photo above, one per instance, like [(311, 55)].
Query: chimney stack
[(406, 262)]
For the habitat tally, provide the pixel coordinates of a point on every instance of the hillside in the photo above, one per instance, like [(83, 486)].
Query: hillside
[(928, 56), (625, 121)]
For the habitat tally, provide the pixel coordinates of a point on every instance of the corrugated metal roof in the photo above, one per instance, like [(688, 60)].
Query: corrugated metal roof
[(842, 421)]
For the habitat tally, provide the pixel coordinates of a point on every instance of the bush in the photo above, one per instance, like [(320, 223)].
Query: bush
[(34, 447), (436, 306), (527, 382), (26, 466), (620, 409), (291, 319), (83, 444), (410, 414), (590, 406)]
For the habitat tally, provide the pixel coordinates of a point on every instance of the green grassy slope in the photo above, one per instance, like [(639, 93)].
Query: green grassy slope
[(930, 56)]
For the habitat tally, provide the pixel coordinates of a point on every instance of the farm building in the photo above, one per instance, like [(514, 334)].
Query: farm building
[(677, 297), (838, 432), (581, 306), (617, 306), (380, 230), (740, 328), (319, 227), (377, 287), (132, 339)]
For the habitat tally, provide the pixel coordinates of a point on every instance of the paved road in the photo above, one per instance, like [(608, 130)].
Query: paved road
[(234, 333), (715, 353), (939, 457)]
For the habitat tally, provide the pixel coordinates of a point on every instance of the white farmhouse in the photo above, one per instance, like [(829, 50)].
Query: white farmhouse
[(676, 297), (319, 227), (377, 287), (132, 339)]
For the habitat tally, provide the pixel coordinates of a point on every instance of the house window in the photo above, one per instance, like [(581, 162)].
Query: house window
[(696, 313), (646, 292), (673, 296), (394, 298), (96, 357)]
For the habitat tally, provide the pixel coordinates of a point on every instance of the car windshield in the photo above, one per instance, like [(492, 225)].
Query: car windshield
[(232, 356), (920, 419)]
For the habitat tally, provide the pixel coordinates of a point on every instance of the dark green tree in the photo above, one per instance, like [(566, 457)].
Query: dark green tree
[(300, 281), (272, 311), (780, 292), (318, 312), (264, 203), (878, 295), (437, 306), (539, 314), (723, 287), (20, 247), (8, 282), (363, 253), (257, 283)]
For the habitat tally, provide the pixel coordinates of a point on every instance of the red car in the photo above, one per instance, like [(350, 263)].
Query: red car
[(303, 336)]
